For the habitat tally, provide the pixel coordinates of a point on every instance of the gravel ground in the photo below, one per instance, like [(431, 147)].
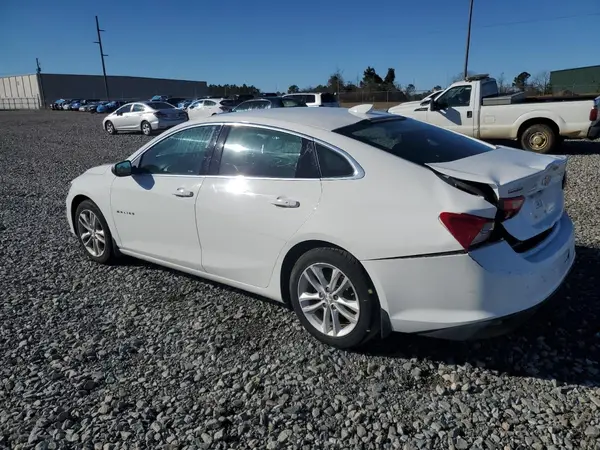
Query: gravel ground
[(136, 356)]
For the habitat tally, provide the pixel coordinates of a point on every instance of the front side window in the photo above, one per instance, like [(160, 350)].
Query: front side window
[(414, 141), (457, 96), (264, 153), (182, 153)]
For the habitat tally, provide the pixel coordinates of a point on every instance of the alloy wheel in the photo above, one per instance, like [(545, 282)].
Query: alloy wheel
[(91, 233), (328, 299)]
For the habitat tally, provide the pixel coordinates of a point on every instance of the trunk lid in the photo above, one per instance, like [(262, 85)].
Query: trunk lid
[(512, 173)]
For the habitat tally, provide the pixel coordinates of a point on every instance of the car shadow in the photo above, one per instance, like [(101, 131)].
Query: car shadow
[(560, 342), (579, 147)]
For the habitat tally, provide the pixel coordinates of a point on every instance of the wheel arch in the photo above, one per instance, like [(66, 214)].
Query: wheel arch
[(80, 198), (538, 121), (295, 252)]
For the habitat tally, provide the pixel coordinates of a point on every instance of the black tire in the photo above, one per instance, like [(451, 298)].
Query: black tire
[(538, 138), (110, 128), (367, 324), (108, 253), (146, 128)]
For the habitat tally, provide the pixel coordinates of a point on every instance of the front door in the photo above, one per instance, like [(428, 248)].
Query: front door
[(265, 188), (154, 209), (456, 111)]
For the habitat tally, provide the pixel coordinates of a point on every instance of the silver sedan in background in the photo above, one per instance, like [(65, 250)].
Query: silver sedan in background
[(143, 116)]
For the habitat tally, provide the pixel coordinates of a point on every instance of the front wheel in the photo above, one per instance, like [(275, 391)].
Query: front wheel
[(146, 128), (93, 232), (538, 138), (332, 298)]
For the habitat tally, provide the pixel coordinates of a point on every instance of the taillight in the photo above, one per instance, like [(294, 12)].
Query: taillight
[(593, 114), (511, 206), (467, 229)]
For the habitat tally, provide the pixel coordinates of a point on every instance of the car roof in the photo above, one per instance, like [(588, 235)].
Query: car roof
[(327, 119)]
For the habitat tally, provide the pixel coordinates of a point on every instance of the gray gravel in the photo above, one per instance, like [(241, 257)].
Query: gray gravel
[(135, 356)]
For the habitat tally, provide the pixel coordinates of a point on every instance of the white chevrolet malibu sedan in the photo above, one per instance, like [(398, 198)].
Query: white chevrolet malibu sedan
[(365, 222)]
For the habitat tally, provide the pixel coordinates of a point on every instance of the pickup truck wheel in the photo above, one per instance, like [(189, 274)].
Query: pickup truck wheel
[(538, 138)]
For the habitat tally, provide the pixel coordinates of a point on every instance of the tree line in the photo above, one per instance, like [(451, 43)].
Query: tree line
[(372, 82)]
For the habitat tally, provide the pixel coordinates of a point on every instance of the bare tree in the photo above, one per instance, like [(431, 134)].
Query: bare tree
[(541, 83), (503, 86)]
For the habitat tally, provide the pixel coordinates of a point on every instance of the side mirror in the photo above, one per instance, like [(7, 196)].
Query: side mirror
[(122, 169)]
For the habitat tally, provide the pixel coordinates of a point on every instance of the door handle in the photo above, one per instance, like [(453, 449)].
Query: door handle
[(181, 192), (469, 114), (283, 202)]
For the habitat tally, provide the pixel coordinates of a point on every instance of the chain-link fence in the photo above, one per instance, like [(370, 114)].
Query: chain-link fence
[(381, 96), (20, 103)]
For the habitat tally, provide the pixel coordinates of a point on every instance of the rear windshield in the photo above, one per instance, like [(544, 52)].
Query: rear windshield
[(328, 98), (414, 141), (160, 105)]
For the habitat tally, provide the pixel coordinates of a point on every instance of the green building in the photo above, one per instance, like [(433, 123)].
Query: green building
[(582, 80)]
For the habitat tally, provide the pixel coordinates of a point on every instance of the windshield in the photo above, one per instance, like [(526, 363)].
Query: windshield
[(160, 105), (413, 140)]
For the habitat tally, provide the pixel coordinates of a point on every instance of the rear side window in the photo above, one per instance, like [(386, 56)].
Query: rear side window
[(332, 164), (138, 108), (415, 141), (290, 102), (326, 97)]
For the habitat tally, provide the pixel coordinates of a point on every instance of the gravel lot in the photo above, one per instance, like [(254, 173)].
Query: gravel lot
[(136, 356)]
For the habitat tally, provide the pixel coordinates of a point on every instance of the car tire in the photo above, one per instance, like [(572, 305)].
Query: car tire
[(538, 138), (356, 301), (91, 228), (110, 128), (146, 128)]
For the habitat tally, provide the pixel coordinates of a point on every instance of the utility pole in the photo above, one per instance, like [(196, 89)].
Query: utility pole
[(40, 80), (102, 55), (468, 39)]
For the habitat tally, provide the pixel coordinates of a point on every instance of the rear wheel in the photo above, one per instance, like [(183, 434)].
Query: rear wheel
[(332, 298), (146, 128), (538, 138), (110, 128)]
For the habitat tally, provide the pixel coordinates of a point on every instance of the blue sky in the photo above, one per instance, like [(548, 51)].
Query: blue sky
[(273, 44)]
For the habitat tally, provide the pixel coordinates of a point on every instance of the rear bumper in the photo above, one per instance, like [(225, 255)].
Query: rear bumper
[(594, 131), (160, 124), (462, 296)]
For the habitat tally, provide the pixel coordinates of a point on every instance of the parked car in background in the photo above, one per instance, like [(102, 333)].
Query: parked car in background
[(174, 101), (143, 116), (66, 106), (58, 104), (316, 99), (159, 98), (109, 107), (268, 103), (365, 222), (474, 107), (85, 103), (185, 103), (92, 107), (209, 107)]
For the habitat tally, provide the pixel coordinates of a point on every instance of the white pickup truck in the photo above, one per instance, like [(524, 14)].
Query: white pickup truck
[(474, 107)]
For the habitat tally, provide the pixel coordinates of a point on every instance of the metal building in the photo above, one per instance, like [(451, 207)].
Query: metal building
[(581, 80), (38, 91)]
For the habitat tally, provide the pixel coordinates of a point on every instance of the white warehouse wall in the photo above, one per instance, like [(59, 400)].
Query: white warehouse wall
[(20, 92)]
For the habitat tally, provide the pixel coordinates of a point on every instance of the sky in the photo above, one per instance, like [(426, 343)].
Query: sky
[(274, 44)]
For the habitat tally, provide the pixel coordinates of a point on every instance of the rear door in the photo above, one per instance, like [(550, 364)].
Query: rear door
[(263, 186)]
